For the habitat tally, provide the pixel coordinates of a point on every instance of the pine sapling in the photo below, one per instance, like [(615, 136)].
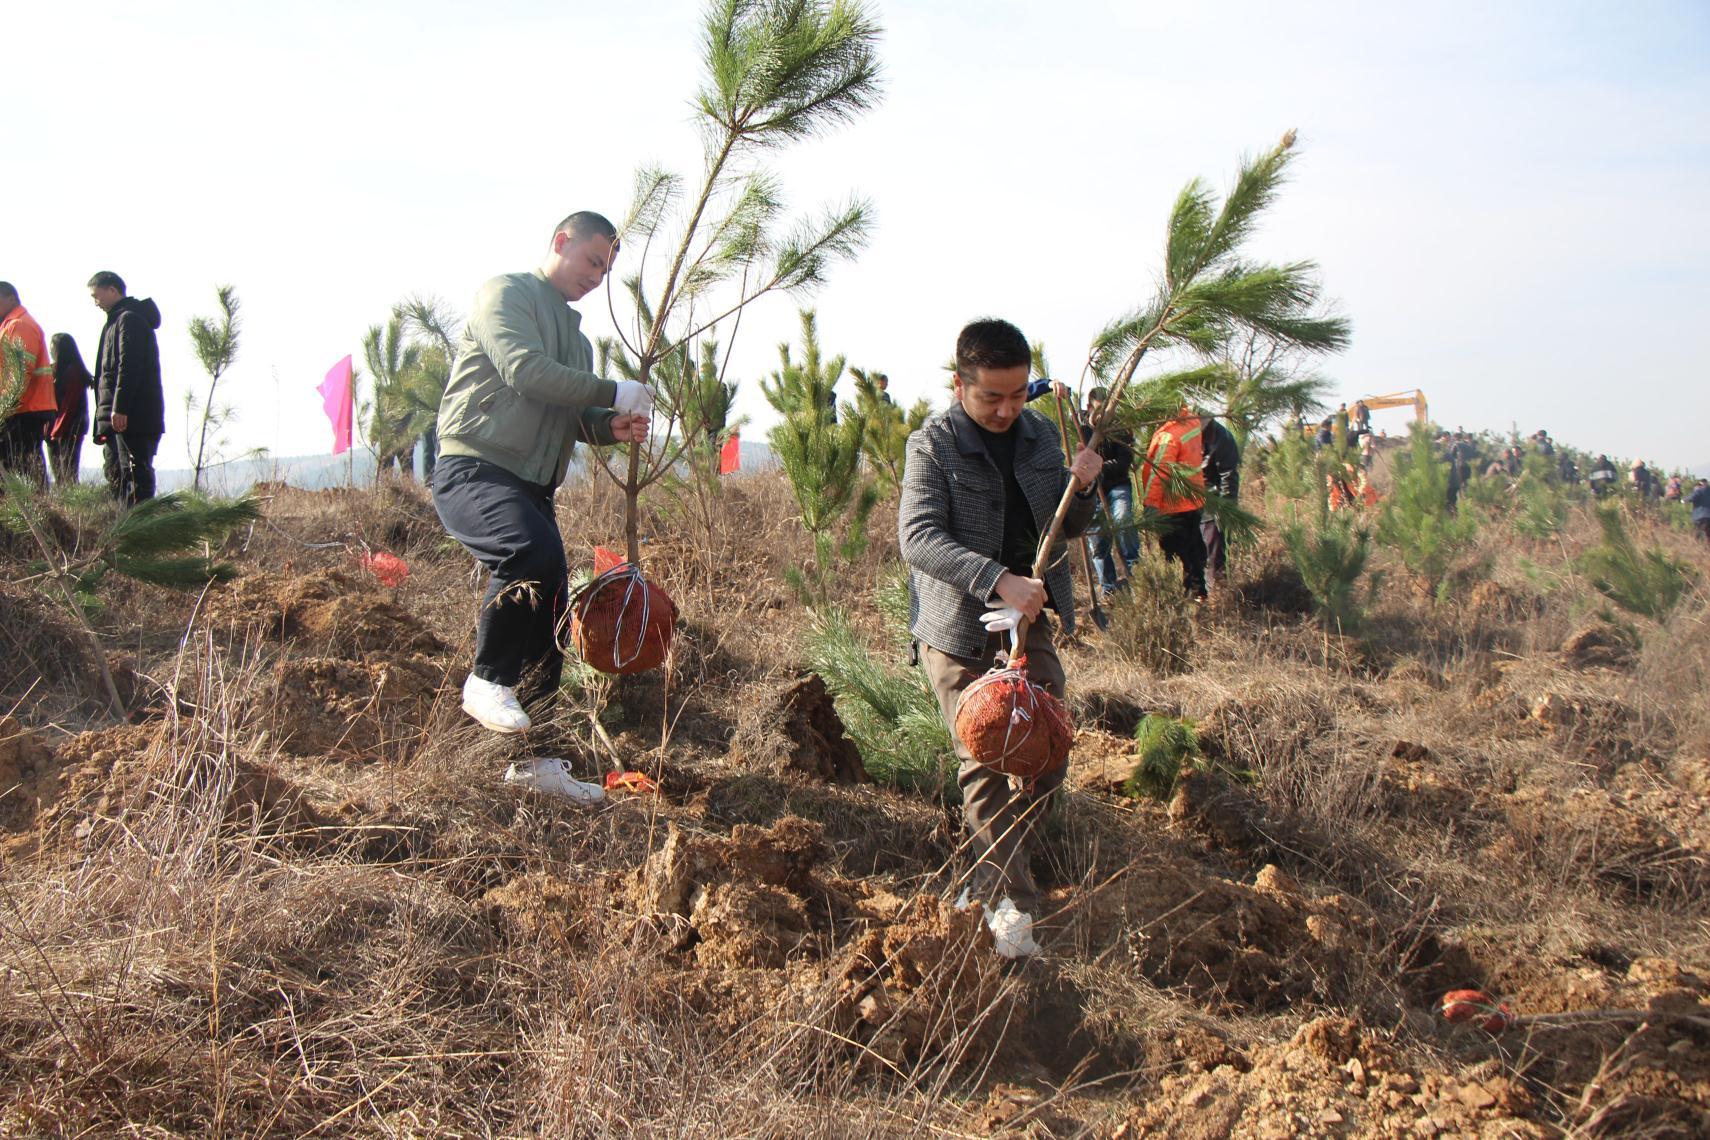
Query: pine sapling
[(1416, 520), (820, 452), (1645, 582), (216, 343), (773, 74)]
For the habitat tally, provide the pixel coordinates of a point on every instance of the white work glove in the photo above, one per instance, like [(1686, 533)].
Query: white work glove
[(633, 399), (1001, 620)]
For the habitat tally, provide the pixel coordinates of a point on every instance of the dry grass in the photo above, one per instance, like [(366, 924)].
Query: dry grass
[(208, 934)]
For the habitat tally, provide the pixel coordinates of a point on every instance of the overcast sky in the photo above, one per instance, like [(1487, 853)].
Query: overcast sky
[(1509, 201)]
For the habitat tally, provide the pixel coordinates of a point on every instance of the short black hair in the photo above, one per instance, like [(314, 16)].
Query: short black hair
[(586, 223), (990, 343), (107, 279), (7, 289)]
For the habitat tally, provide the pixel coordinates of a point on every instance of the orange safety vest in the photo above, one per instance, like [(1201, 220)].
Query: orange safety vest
[(1178, 444), (21, 328)]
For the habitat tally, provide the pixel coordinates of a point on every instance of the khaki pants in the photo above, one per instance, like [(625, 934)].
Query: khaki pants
[(1001, 816)]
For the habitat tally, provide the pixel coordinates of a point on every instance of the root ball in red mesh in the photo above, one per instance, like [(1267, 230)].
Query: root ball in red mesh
[(1013, 725), (622, 623)]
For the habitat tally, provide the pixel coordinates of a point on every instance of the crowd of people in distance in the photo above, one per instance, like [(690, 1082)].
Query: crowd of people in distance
[(1464, 454), (52, 384)]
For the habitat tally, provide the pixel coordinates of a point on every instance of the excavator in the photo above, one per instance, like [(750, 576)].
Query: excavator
[(1407, 398), (1402, 399)]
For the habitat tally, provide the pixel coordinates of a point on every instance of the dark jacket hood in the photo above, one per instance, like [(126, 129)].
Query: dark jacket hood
[(143, 308)]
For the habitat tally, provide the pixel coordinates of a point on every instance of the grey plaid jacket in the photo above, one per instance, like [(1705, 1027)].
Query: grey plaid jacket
[(951, 524)]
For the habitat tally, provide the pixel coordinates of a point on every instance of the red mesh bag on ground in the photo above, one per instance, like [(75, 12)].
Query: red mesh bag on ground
[(1013, 725), (622, 623)]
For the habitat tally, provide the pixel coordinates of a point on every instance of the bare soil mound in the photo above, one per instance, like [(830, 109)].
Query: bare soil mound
[(335, 612), (797, 731), (368, 709), (1600, 645), (103, 782), (27, 776)]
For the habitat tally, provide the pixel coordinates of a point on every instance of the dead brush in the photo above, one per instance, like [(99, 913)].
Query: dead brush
[(1150, 623)]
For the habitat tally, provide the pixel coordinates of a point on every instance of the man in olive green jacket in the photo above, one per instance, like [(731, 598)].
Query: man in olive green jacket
[(521, 395)]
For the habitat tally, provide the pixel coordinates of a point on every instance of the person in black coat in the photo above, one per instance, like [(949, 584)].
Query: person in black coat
[(1223, 475), (130, 405)]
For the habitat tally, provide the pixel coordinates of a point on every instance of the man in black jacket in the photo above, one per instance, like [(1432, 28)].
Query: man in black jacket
[(1223, 475), (983, 481), (130, 406)]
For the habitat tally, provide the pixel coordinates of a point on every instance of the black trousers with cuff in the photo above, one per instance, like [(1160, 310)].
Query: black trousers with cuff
[(510, 527), (127, 461)]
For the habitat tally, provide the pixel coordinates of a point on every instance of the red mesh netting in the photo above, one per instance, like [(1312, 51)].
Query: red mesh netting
[(622, 623), (1009, 723)]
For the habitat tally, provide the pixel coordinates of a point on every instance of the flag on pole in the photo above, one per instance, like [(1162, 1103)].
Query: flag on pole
[(730, 455), (335, 393)]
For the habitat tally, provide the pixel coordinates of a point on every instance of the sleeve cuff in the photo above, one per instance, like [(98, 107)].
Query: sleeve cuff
[(986, 581)]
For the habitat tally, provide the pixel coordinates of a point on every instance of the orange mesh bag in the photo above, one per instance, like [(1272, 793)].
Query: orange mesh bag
[(1013, 725), (622, 623)]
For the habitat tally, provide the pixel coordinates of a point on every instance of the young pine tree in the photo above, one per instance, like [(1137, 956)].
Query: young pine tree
[(773, 74), (888, 427), (821, 454), (1416, 520), (216, 343), (1330, 557)]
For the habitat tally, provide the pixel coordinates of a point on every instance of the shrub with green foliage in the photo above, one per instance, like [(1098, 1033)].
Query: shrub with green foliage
[(1330, 557), (1541, 503), (1416, 521), (1292, 467), (1163, 747), (1166, 748), (1644, 582), (889, 710), (821, 455), (1151, 622)]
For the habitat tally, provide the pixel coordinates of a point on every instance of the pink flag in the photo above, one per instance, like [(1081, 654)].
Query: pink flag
[(335, 398)]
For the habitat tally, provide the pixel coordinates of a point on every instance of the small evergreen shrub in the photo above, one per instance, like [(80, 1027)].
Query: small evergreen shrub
[(1644, 582), (1416, 521), (1163, 747), (1330, 557)]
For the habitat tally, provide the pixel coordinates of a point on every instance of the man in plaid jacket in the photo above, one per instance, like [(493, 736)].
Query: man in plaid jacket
[(982, 483)]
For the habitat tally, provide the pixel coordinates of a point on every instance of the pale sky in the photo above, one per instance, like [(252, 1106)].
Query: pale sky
[(1509, 201)]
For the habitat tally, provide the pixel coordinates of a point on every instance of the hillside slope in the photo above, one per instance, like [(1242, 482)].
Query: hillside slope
[(291, 894)]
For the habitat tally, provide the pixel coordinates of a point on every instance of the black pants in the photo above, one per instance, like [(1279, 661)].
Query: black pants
[(509, 526), (21, 445), (65, 453), (1179, 538), (128, 464)]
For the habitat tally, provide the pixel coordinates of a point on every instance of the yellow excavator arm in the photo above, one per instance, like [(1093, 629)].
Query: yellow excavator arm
[(1412, 397)]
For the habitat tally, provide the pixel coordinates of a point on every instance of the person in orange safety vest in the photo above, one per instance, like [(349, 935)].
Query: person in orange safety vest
[(1173, 480), (26, 426)]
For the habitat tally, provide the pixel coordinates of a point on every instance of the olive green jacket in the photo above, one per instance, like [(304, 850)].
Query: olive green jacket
[(523, 390)]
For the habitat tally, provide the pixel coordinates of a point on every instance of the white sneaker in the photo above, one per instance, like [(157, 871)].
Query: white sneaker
[(552, 775), (495, 706), (1012, 930)]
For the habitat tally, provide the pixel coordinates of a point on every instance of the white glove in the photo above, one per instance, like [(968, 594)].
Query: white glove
[(633, 399), (1001, 620)]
